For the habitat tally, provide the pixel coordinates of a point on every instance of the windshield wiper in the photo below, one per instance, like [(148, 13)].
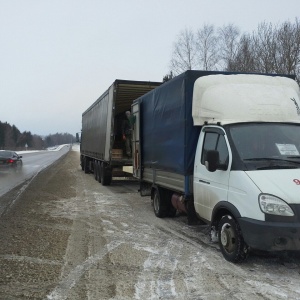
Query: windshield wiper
[(275, 167), (263, 158), (273, 159)]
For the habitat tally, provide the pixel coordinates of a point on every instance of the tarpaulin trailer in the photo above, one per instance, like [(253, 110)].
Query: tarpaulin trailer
[(101, 149)]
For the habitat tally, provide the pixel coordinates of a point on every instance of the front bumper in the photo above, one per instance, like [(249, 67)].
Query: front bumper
[(270, 236)]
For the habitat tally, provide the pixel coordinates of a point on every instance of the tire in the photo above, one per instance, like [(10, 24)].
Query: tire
[(98, 166), (82, 163), (160, 209), (162, 204), (106, 175), (18, 167), (86, 166), (96, 174), (231, 241), (157, 205)]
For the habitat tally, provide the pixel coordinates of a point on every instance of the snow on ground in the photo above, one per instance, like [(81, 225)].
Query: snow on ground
[(54, 148)]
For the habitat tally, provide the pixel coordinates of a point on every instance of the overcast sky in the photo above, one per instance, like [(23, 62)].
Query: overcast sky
[(58, 56)]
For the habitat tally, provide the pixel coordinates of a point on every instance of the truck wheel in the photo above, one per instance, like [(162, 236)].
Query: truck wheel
[(81, 163), (96, 174), (98, 166), (158, 204), (106, 175), (231, 241), (86, 166)]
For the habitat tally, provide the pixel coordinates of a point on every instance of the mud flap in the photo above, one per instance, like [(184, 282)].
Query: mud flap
[(191, 212)]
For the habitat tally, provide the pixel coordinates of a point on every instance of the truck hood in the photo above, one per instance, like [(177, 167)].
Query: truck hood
[(284, 184)]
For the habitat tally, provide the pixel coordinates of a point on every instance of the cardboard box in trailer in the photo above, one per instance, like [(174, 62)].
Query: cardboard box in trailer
[(225, 149), (102, 149)]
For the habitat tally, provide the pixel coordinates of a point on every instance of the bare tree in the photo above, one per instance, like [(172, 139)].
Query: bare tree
[(184, 53), (168, 76), (270, 49), (244, 60), (288, 46), (297, 73), (228, 39), (207, 48), (265, 48)]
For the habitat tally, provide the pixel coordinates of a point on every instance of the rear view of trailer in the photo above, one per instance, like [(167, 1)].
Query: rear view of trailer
[(102, 147)]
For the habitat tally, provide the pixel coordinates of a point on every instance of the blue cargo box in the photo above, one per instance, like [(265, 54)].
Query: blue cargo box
[(167, 135)]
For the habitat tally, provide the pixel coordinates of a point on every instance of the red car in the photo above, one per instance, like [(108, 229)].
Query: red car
[(10, 160)]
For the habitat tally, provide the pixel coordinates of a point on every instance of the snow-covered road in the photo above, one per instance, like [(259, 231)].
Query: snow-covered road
[(69, 237)]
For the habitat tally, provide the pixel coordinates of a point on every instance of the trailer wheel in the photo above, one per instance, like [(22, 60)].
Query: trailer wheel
[(106, 175), (96, 174), (98, 166), (86, 166), (81, 163), (231, 241), (158, 204)]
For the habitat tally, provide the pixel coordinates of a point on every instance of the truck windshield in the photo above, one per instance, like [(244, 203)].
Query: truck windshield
[(267, 145)]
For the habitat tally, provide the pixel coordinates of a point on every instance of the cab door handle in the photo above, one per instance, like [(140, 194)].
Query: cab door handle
[(203, 181)]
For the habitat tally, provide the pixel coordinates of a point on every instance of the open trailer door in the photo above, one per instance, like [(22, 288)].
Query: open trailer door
[(136, 151)]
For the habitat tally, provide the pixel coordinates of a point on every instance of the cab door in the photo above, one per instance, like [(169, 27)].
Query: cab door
[(211, 187)]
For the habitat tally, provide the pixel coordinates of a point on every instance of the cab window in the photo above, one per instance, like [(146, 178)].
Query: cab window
[(215, 141)]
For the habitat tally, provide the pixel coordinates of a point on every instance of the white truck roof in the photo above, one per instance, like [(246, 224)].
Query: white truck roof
[(245, 98)]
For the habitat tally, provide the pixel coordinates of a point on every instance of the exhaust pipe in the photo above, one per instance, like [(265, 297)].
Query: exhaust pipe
[(178, 203)]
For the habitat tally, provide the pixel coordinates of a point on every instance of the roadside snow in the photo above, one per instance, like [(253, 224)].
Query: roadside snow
[(55, 148)]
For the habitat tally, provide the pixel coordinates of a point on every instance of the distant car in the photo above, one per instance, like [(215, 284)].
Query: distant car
[(10, 160)]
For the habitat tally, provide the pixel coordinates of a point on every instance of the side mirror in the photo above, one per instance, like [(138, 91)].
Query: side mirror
[(212, 160)]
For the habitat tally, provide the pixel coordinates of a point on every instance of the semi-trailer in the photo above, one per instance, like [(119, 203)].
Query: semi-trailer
[(102, 148)]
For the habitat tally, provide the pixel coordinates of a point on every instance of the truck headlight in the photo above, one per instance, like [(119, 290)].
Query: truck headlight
[(272, 205)]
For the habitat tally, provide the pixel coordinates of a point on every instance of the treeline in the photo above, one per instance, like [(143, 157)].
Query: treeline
[(59, 139), (11, 138), (269, 49)]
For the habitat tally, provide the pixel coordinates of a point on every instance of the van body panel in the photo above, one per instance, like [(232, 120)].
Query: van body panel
[(284, 184), (243, 194)]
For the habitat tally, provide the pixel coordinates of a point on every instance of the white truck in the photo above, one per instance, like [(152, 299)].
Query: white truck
[(225, 149)]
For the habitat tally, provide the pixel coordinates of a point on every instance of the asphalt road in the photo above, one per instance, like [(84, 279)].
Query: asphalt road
[(33, 163), (67, 237)]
